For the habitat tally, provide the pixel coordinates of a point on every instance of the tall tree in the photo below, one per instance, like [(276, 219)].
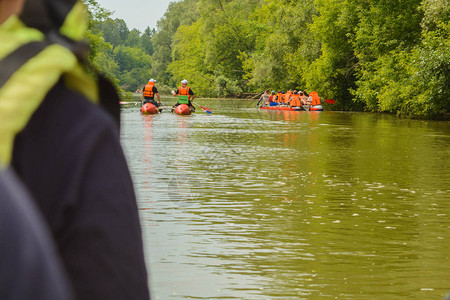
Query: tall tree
[(146, 40), (178, 13), (229, 37), (189, 59), (133, 38), (334, 72)]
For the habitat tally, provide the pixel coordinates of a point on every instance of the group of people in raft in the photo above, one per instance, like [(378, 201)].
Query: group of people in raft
[(292, 98), (184, 93)]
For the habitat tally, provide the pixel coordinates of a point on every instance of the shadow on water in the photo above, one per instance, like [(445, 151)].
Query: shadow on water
[(249, 204)]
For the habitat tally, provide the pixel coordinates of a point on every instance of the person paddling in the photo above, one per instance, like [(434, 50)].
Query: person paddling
[(149, 93), (295, 100), (264, 99), (185, 95)]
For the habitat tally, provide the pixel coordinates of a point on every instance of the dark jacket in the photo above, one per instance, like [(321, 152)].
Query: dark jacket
[(29, 265), (70, 158)]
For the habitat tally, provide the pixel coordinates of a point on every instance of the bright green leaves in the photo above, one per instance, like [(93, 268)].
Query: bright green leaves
[(189, 60), (333, 73), (178, 14), (403, 65)]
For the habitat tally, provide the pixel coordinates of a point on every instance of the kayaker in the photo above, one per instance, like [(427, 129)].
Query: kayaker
[(287, 97), (264, 99), (313, 99), (149, 93), (295, 99), (185, 95), (272, 97), (303, 98), (279, 97), (64, 145)]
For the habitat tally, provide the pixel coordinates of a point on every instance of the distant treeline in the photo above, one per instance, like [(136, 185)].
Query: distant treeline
[(124, 55), (380, 55)]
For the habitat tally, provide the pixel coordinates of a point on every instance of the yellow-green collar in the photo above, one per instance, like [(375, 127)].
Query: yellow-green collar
[(13, 34)]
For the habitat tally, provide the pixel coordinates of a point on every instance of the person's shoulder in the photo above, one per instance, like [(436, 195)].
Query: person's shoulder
[(67, 119), (30, 248), (63, 103)]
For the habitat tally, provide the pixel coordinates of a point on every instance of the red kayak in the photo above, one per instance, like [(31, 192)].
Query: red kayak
[(182, 109), (149, 109)]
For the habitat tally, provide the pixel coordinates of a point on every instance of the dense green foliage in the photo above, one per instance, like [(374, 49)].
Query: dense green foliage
[(122, 54), (380, 55)]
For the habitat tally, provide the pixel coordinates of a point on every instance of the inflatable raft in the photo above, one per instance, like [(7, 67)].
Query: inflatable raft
[(295, 108), (150, 109), (316, 108), (183, 109)]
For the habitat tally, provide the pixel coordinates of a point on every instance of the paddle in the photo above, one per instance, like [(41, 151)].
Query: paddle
[(205, 109), (330, 101)]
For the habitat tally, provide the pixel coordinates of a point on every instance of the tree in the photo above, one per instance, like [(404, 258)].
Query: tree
[(96, 15), (334, 71), (129, 58), (133, 38), (228, 34), (285, 47), (189, 60), (146, 41), (110, 32), (178, 13)]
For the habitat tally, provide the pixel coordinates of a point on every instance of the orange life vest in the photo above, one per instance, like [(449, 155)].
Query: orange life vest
[(148, 90), (315, 99), (184, 91), (183, 95), (279, 97), (295, 100), (287, 97)]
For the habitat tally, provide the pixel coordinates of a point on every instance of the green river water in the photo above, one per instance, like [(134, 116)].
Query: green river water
[(249, 204)]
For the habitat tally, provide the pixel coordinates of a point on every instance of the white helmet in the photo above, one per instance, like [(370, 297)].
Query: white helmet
[(152, 80), (184, 81)]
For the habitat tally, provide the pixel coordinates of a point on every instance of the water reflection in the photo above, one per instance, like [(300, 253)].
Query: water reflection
[(180, 186), (147, 156), (293, 205)]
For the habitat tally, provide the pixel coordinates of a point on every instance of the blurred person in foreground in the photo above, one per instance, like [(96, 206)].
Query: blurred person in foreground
[(59, 131), (29, 265)]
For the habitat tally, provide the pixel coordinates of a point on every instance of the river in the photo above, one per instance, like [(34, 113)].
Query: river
[(249, 204)]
